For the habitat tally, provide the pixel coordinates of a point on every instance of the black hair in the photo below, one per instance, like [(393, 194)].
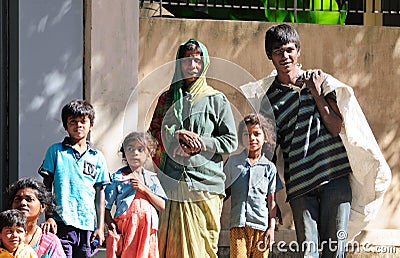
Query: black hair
[(42, 194), (282, 34), (9, 218), (143, 138), (268, 127), (191, 45), (255, 119), (77, 108)]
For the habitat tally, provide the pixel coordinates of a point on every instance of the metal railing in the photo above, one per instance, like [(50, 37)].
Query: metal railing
[(349, 6)]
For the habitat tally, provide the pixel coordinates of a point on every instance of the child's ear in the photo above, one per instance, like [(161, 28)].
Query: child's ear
[(42, 207)]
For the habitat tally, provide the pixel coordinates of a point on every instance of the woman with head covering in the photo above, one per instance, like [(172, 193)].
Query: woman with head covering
[(31, 197), (194, 126)]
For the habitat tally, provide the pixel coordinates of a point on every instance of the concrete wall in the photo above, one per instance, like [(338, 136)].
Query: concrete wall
[(364, 57), (112, 31), (50, 74)]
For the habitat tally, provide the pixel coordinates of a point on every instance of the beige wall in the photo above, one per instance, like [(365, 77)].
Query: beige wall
[(364, 57), (111, 54)]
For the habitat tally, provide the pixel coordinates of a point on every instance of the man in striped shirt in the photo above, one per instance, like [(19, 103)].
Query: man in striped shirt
[(316, 166)]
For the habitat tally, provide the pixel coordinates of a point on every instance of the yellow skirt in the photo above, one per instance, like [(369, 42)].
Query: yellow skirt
[(190, 224)]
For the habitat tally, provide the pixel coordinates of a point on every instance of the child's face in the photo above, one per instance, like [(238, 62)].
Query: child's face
[(253, 138), (26, 201), (12, 237), (136, 154), (78, 127)]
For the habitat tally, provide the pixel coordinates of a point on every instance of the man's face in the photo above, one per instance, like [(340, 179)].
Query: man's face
[(284, 57)]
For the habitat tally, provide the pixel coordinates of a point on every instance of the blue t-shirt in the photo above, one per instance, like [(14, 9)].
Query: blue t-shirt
[(75, 179), (121, 193), (250, 186)]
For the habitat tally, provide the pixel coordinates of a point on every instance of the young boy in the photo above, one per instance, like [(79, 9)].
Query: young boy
[(12, 235), (252, 180), (77, 172)]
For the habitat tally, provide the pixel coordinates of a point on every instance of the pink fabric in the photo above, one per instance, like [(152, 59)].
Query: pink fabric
[(136, 238), (49, 245)]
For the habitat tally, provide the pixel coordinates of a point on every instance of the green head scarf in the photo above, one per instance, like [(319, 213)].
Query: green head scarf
[(198, 89)]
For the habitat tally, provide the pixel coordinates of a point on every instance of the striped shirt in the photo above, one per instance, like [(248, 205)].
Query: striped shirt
[(312, 156)]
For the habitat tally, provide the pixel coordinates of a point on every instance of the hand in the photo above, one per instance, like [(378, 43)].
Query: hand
[(49, 225), (190, 140), (138, 184), (99, 234), (112, 227), (314, 80), (270, 237)]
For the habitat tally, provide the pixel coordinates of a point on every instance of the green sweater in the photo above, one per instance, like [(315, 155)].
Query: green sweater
[(212, 119)]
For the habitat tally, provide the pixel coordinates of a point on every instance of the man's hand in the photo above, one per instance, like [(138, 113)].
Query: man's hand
[(313, 80)]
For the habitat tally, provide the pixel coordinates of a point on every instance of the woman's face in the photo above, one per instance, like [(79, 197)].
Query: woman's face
[(191, 66), (26, 201)]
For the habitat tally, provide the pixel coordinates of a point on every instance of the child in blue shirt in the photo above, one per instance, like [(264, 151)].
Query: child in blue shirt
[(252, 180), (76, 172), (137, 195)]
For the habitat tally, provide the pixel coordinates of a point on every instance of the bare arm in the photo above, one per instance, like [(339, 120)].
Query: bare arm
[(327, 107), (272, 218), (110, 221), (100, 213), (50, 224)]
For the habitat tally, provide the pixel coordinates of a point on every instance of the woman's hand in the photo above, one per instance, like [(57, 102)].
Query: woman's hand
[(49, 225), (190, 143)]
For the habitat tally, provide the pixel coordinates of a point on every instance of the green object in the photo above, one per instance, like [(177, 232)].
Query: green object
[(320, 14)]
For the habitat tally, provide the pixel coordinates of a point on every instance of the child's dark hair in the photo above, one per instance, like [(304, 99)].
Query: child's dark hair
[(257, 119), (45, 197), (9, 218), (77, 108), (282, 34), (191, 45), (143, 138)]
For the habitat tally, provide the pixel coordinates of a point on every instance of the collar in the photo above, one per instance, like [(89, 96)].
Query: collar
[(261, 161), (66, 143), (287, 87)]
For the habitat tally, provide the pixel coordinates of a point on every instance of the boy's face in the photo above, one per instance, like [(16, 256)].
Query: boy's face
[(284, 57), (12, 237), (253, 138), (78, 127), (136, 154)]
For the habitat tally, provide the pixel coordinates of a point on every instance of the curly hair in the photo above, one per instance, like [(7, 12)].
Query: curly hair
[(268, 127), (143, 138), (44, 196)]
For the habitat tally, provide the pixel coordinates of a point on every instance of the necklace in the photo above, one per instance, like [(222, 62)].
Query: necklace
[(33, 236)]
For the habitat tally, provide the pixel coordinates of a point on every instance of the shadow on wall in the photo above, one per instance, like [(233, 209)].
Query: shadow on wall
[(50, 74)]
